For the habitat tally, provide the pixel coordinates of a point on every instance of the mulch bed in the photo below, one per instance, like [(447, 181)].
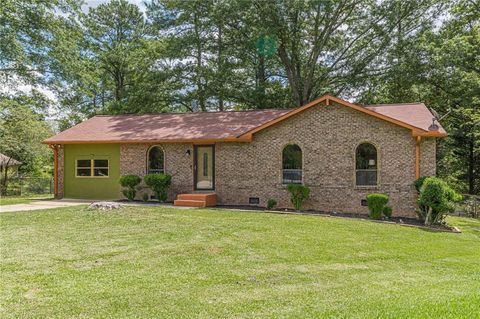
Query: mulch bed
[(404, 221)]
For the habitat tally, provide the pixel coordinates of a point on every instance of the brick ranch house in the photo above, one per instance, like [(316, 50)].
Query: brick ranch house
[(342, 151)]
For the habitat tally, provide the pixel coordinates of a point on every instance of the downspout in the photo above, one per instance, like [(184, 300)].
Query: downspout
[(417, 157), (55, 170)]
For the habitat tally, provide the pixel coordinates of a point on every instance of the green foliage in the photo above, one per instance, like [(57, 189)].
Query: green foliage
[(129, 193), (22, 131), (130, 182), (419, 183), (145, 197), (440, 68), (387, 211), (27, 28), (376, 205), (159, 184), (271, 203), (298, 194), (436, 200)]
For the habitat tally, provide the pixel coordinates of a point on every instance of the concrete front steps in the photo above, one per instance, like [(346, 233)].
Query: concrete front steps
[(196, 200)]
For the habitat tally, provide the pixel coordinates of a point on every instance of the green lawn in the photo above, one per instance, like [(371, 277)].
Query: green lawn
[(11, 200), (168, 263)]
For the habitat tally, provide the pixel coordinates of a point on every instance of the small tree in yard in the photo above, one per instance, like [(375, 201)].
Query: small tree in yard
[(159, 184), (436, 200), (299, 193), (130, 182)]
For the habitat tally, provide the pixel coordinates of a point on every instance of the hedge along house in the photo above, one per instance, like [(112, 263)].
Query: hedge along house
[(342, 151)]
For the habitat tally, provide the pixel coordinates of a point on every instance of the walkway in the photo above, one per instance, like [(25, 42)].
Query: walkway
[(42, 204), (57, 203)]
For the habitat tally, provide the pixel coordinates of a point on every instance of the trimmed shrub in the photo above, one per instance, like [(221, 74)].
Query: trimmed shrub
[(298, 194), (387, 211), (130, 182), (436, 200), (419, 182), (376, 204), (145, 197), (159, 184), (271, 203)]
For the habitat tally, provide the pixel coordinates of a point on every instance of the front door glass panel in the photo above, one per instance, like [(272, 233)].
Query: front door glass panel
[(204, 167)]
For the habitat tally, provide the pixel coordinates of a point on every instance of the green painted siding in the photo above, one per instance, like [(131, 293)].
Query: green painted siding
[(92, 187)]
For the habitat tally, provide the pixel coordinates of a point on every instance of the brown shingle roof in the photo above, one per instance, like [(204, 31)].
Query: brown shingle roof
[(5, 160), (415, 114), (166, 127), (224, 126)]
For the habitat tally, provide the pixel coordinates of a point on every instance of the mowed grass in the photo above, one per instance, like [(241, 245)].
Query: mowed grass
[(169, 263), (12, 200)]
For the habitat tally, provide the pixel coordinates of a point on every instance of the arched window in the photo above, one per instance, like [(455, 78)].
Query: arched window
[(366, 164), (155, 160), (292, 164)]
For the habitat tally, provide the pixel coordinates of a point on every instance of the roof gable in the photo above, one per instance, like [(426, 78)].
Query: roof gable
[(415, 119)]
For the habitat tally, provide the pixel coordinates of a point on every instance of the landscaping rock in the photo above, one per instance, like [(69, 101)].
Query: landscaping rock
[(104, 205)]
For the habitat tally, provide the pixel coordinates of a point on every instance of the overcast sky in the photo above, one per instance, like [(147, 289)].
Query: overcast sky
[(94, 3)]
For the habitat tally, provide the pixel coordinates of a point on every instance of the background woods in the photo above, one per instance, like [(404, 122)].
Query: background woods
[(62, 62)]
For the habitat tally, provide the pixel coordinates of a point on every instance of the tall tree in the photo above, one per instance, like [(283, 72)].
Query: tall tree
[(454, 76), (22, 131), (327, 46), (26, 30), (440, 66), (107, 63)]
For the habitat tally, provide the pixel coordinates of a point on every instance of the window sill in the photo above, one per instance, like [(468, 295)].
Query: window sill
[(285, 185), (91, 176), (366, 187)]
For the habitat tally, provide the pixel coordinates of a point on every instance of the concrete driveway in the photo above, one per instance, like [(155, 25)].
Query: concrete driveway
[(43, 204)]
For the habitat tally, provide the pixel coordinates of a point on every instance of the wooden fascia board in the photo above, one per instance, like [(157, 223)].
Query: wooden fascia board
[(192, 141), (428, 134)]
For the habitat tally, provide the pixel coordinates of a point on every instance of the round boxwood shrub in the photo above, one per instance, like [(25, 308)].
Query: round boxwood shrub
[(436, 200), (419, 182), (376, 204), (159, 184), (298, 194), (387, 211), (271, 203), (129, 182)]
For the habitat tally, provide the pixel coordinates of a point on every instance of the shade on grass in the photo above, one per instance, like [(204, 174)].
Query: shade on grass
[(169, 263)]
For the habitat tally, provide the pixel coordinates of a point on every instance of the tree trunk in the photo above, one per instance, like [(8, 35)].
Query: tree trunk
[(220, 74), (200, 92), (5, 179), (261, 82), (471, 164)]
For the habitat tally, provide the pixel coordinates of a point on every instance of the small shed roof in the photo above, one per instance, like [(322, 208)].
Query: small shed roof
[(8, 161)]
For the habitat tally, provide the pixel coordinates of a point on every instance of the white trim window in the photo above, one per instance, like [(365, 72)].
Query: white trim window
[(292, 172), (155, 160), (366, 165)]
